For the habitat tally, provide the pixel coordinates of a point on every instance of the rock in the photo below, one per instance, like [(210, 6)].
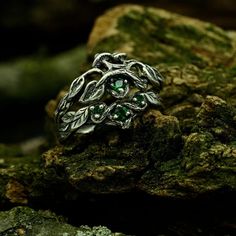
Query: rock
[(112, 162), (157, 36), (151, 156), (207, 162), (199, 86), (16, 171), (195, 57), (26, 221)]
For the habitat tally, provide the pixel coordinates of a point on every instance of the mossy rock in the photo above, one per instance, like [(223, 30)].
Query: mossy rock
[(198, 62), (156, 36), (22, 221)]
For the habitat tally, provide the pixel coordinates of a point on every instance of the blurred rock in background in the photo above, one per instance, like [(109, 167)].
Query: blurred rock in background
[(51, 26)]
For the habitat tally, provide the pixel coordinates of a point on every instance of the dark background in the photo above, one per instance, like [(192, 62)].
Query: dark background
[(45, 28), (51, 26)]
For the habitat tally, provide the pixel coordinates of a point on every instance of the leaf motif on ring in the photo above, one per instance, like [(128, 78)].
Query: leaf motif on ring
[(91, 92), (80, 118), (76, 86), (153, 75), (68, 117), (152, 98)]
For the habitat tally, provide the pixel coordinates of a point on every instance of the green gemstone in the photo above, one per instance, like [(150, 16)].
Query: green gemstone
[(139, 100), (98, 110), (118, 84), (121, 113)]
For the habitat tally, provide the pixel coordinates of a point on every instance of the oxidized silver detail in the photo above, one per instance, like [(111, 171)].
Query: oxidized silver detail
[(121, 90)]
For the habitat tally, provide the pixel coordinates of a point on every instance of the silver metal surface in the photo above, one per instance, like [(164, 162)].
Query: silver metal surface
[(113, 92)]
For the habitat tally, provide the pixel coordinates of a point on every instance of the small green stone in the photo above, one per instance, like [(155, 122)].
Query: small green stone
[(118, 84), (121, 113), (98, 110), (139, 99)]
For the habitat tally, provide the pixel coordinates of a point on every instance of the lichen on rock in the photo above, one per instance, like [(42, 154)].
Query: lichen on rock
[(24, 221), (164, 153)]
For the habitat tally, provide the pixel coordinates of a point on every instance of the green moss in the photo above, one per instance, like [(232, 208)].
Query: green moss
[(110, 44), (232, 72), (186, 31), (31, 223), (219, 40), (221, 35), (158, 37)]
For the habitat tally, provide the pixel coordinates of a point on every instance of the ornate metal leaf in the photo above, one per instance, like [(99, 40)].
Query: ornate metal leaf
[(91, 93), (140, 83), (127, 123), (76, 86), (63, 127), (153, 75), (99, 58), (134, 107), (98, 93), (68, 117), (62, 107), (80, 118), (152, 98), (119, 56)]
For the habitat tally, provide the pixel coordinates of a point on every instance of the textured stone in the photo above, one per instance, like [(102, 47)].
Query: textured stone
[(22, 221), (208, 159), (96, 166), (197, 60), (157, 36)]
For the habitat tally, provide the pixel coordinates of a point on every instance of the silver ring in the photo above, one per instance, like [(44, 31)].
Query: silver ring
[(113, 92)]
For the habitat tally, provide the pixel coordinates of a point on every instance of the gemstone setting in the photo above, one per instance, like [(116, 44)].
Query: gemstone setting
[(118, 87), (97, 112), (140, 100), (121, 115)]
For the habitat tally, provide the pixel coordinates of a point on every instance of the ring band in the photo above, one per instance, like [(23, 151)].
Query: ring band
[(113, 92)]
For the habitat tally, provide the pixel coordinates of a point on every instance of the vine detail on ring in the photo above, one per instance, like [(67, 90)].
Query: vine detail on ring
[(112, 92)]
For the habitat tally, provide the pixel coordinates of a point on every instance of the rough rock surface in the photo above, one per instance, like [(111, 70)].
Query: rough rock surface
[(22, 221), (198, 62)]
